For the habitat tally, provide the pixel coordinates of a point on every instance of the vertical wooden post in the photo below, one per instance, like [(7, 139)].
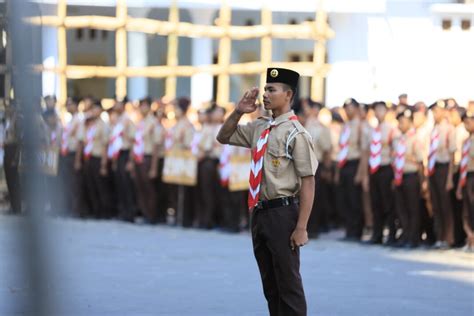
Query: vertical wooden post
[(319, 54), (62, 52), (121, 49), (223, 81), (172, 58), (265, 46)]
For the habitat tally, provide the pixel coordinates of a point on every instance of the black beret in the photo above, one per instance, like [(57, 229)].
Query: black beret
[(408, 113), (468, 115), (351, 101), (439, 103), (379, 103), (282, 75)]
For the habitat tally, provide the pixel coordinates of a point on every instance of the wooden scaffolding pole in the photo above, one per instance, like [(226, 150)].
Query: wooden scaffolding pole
[(223, 81), (121, 49), (62, 52), (265, 47), (172, 58)]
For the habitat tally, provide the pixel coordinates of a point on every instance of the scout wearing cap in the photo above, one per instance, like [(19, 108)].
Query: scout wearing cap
[(284, 162)]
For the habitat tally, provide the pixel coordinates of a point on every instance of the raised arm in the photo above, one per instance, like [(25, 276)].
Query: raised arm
[(246, 105)]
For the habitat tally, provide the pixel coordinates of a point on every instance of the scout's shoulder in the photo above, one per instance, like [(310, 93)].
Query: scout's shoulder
[(296, 128)]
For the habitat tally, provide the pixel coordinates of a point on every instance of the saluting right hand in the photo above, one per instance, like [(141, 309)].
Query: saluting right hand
[(248, 102)]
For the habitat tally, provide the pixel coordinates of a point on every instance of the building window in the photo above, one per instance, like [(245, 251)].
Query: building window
[(79, 34), (92, 33), (104, 35), (446, 24), (293, 22), (249, 22), (310, 19), (465, 25)]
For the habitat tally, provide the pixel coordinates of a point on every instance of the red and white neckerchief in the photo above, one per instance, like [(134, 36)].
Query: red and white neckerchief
[(375, 150), (399, 162), (256, 165), (65, 138), (224, 165), (139, 144), (53, 137), (89, 145), (116, 141), (195, 143), (344, 146), (464, 162), (434, 144)]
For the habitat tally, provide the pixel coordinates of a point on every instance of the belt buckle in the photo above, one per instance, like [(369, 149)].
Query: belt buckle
[(259, 205)]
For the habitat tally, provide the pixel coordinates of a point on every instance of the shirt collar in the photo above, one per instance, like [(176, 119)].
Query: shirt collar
[(284, 117)]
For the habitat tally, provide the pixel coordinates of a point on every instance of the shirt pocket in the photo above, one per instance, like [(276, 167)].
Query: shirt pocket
[(277, 162)]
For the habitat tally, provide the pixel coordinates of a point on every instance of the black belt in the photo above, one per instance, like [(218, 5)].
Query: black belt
[(275, 203)]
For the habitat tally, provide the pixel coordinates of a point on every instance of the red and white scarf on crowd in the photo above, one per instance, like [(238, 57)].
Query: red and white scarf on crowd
[(53, 137), (375, 150), (89, 144), (116, 141), (344, 146), (195, 143), (256, 165), (434, 144), (139, 143), (464, 162), (400, 152), (65, 138)]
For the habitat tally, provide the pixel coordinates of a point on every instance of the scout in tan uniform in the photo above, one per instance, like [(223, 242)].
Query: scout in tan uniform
[(283, 166), (455, 119), (121, 139), (96, 139), (408, 177), (156, 169), (181, 137), (465, 186), (70, 160), (381, 175), (11, 159), (440, 170), (350, 173), (142, 159), (321, 136)]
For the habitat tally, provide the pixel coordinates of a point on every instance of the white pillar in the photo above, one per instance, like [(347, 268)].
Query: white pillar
[(202, 53), (50, 84), (137, 57)]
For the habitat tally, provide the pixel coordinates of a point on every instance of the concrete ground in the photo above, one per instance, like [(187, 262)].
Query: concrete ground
[(111, 268)]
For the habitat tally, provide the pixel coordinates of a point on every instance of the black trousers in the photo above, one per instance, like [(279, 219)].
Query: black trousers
[(351, 200), (71, 181), (146, 190), (468, 211), (124, 189), (408, 207), (208, 181), (381, 198), (161, 194), (459, 233), (442, 206), (279, 265), (319, 215), (97, 189), (12, 176)]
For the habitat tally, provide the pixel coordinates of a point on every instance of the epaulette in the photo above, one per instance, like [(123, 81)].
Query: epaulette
[(297, 130)]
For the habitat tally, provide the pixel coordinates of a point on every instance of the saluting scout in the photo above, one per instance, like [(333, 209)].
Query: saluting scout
[(282, 172)]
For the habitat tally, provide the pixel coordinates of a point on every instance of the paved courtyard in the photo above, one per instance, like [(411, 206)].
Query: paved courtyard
[(111, 268)]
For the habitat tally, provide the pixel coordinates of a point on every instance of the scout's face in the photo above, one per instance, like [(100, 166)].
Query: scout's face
[(438, 114), (276, 96), (144, 109), (454, 117), (404, 124), (96, 111), (469, 124), (217, 116), (178, 112), (380, 113), (351, 111), (119, 107), (419, 118), (71, 107)]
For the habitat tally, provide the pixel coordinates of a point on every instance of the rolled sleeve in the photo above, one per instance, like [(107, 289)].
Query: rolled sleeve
[(243, 135), (304, 157)]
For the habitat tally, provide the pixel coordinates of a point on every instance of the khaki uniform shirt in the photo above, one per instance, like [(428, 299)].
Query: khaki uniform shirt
[(335, 130), (54, 136), (423, 138), (389, 133), (356, 143), (207, 139), (100, 140), (160, 136), (470, 164), (321, 137), (75, 133), (149, 133), (128, 131), (461, 135), (281, 175), (182, 134), (447, 142), (414, 153)]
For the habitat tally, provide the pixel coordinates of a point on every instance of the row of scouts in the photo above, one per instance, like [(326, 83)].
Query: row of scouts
[(407, 173), (110, 166)]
